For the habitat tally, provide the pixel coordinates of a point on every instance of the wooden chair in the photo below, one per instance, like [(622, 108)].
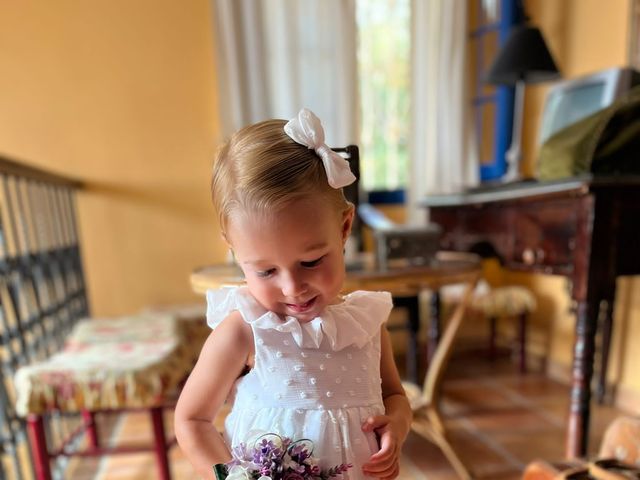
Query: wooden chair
[(427, 421)]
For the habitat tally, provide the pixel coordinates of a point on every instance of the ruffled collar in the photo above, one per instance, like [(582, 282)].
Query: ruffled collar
[(354, 321)]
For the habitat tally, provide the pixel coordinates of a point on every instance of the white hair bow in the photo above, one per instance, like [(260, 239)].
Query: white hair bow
[(307, 130)]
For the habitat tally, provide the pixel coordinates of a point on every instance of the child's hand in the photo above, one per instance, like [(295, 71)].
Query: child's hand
[(385, 462)]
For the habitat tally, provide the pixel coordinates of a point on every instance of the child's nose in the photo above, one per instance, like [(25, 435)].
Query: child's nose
[(293, 285)]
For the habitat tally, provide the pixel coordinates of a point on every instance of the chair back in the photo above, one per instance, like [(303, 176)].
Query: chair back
[(404, 244), (353, 193)]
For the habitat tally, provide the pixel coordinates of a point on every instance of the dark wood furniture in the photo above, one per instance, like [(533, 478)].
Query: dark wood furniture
[(585, 229)]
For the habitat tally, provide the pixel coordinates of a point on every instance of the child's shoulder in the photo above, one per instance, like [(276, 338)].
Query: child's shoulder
[(235, 328), (376, 303), (222, 302), (232, 340)]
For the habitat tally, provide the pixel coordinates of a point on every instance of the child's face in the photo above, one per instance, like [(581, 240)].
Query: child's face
[(293, 260)]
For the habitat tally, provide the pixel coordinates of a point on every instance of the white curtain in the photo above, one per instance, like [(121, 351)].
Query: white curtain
[(443, 156), (277, 56)]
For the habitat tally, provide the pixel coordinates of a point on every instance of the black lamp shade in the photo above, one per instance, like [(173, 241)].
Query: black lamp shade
[(524, 57)]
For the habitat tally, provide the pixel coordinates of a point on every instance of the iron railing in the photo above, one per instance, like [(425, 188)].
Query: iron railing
[(42, 293)]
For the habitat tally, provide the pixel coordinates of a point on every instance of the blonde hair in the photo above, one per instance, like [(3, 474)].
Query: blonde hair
[(260, 169)]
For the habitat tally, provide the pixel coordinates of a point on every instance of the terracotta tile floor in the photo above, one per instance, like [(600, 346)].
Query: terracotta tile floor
[(498, 420)]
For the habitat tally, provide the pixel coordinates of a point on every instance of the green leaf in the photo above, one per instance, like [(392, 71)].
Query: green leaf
[(221, 471)]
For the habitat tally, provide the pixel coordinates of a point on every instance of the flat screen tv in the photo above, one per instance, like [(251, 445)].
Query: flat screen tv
[(572, 100)]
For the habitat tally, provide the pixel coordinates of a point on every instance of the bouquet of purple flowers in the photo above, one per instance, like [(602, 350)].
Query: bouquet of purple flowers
[(276, 458)]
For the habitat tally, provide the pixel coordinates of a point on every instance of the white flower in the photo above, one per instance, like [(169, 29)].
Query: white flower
[(238, 473), (290, 463), (264, 477)]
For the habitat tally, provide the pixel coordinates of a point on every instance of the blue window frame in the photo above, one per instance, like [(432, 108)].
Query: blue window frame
[(493, 106)]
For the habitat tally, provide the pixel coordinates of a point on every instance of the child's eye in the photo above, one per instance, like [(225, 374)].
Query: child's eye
[(265, 273), (312, 263)]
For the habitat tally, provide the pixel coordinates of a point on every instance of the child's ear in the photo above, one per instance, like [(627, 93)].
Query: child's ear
[(225, 239), (347, 223), (231, 256)]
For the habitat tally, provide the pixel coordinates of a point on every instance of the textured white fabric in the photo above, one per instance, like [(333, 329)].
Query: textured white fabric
[(443, 156), (272, 56), (306, 129), (317, 381)]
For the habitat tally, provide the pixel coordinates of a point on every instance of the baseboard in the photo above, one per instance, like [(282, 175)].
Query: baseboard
[(559, 372), (624, 398), (628, 400)]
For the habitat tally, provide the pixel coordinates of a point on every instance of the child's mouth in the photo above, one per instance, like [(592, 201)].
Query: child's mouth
[(302, 307)]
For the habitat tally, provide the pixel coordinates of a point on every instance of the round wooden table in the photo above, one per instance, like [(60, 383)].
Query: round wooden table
[(447, 268), (403, 282)]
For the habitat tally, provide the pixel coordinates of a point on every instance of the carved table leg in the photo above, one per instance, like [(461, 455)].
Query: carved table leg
[(583, 353), (412, 305)]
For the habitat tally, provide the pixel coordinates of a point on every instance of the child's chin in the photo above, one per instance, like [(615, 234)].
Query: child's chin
[(305, 318)]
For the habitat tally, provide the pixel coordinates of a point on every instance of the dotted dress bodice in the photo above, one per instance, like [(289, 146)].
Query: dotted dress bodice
[(318, 380)]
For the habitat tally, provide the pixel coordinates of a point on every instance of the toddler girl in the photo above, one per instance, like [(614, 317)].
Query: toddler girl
[(319, 364)]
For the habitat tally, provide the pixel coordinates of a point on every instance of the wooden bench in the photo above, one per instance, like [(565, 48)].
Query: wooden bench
[(59, 368)]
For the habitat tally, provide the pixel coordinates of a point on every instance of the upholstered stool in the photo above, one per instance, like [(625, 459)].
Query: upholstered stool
[(191, 321), (493, 303), (507, 302), (134, 362)]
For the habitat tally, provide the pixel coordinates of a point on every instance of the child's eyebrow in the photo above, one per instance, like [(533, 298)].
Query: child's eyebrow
[(253, 262), (315, 246), (310, 248)]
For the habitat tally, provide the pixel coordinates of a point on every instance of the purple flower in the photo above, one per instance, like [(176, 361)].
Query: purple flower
[(277, 458)]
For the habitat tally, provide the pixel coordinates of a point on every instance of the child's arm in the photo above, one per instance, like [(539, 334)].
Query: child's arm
[(221, 362), (392, 427)]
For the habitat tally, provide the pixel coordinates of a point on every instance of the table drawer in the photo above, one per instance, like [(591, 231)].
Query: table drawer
[(482, 229), (544, 235)]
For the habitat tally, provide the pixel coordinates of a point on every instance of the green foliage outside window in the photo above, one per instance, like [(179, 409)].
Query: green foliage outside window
[(384, 51)]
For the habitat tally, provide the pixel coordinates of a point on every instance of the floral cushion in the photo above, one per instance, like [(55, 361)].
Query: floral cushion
[(505, 301), (134, 361), (192, 322)]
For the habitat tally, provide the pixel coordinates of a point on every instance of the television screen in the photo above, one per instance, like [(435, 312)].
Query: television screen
[(571, 106), (572, 100)]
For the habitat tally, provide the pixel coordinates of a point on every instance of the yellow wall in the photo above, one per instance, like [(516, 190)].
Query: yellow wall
[(584, 36), (121, 95)]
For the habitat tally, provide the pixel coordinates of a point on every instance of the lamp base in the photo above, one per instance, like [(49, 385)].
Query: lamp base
[(514, 154), (513, 157)]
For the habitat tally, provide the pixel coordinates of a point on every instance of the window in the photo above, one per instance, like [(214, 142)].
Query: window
[(384, 53), (490, 24), (384, 70)]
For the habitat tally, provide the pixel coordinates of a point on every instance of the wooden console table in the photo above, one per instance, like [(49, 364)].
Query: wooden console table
[(585, 229)]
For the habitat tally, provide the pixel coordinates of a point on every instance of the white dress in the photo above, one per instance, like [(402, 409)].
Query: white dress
[(317, 380)]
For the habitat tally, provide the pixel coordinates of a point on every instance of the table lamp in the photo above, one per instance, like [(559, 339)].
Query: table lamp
[(524, 58)]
